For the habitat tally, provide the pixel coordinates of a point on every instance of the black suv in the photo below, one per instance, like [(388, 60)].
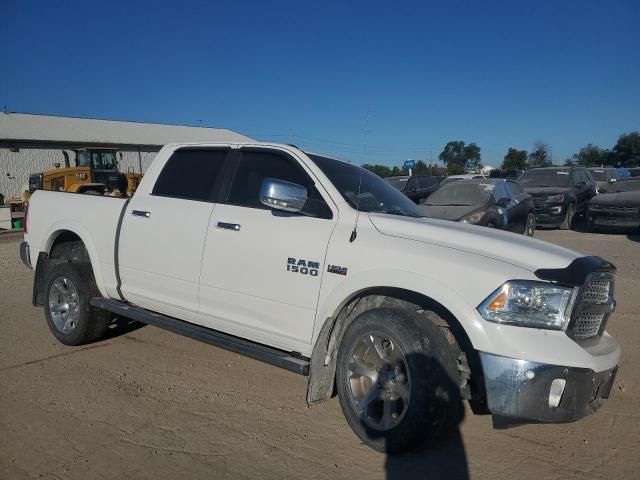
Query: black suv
[(416, 187), (559, 193)]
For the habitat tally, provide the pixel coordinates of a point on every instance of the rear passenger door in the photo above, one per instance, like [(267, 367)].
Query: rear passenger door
[(262, 268), (164, 229)]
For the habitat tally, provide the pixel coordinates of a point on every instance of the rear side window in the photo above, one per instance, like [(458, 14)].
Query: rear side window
[(514, 189), (190, 174), (412, 184), (255, 166), (427, 182)]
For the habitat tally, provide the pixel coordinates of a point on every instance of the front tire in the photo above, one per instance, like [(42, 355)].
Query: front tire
[(530, 227), (69, 314), (397, 379), (568, 219)]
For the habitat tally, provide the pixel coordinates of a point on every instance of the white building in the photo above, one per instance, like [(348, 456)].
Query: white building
[(33, 143)]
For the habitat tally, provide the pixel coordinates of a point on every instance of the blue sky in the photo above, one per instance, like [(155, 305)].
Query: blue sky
[(366, 81)]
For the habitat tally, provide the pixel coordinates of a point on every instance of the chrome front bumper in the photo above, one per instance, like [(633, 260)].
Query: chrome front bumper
[(536, 392)]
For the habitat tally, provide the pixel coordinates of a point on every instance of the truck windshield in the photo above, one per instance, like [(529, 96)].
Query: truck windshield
[(96, 160), (376, 195), (545, 178)]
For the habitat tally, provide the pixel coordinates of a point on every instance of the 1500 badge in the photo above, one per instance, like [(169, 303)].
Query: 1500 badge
[(305, 267)]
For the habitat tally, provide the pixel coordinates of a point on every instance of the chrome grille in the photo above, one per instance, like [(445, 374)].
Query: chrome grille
[(596, 291), (587, 325), (593, 308)]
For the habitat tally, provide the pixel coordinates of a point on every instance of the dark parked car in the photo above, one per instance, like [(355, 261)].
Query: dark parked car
[(603, 176), (489, 202), (416, 187), (559, 193), (617, 206), (512, 174)]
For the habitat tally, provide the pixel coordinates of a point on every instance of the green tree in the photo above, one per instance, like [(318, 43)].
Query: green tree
[(591, 156), (540, 157), (626, 152), (460, 158), (380, 170), (515, 160), (421, 168)]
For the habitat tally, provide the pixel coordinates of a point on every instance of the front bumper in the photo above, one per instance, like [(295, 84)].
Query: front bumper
[(520, 389), (25, 254), (618, 217), (550, 215)]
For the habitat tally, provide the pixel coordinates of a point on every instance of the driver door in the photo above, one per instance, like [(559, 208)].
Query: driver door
[(262, 268)]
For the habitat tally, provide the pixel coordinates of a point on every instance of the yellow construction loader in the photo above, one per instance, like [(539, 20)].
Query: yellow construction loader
[(95, 171)]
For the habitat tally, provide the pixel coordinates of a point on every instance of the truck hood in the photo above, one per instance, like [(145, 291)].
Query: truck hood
[(520, 250), (619, 199)]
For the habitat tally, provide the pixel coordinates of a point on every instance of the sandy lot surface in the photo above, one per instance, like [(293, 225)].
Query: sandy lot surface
[(150, 404)]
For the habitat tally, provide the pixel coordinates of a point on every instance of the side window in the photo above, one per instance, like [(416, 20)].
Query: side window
[(427, 182), (254, 167), (575, 177), (190, 174), (499, 191), (514, 189), (581, 177), (412, 184)]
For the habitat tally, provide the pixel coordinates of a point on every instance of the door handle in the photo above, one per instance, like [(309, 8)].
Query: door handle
[(228, 226), (141, 213)]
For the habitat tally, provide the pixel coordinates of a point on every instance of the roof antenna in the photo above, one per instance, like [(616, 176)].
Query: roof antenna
[(354, 233)]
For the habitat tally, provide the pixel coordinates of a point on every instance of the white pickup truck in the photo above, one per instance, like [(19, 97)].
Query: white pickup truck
[(320, 267)]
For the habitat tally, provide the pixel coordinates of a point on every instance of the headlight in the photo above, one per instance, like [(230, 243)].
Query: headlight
[(530, 304), (556, 198), (475, 218)]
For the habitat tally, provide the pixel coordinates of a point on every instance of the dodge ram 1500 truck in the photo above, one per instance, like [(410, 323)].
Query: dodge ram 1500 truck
[(320, 267)]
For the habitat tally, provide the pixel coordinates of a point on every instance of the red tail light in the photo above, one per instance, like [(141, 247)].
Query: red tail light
[(26, 217)]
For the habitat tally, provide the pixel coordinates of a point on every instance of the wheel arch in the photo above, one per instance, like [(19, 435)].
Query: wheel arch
[(324, 355), (59, 236)]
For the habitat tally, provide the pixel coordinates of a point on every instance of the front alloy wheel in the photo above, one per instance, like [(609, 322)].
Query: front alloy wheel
[(379, 382), (531, 225)]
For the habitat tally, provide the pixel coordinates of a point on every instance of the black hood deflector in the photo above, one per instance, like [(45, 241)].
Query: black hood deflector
[(577, 273)]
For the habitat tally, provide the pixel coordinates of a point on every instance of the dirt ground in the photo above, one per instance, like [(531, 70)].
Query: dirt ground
[(149, 404)]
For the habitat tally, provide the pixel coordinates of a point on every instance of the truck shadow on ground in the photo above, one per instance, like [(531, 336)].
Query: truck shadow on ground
[(121, 326), (444, 457)]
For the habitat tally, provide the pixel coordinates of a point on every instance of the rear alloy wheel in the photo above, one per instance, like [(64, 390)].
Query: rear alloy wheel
[(70, 316), (64, 304), (530, 228)]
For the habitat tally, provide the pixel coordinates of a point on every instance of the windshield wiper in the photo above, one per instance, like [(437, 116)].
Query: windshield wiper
[(401, 213)]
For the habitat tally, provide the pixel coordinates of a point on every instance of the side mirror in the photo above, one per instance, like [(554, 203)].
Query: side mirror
[(503, 202), (281, 195)]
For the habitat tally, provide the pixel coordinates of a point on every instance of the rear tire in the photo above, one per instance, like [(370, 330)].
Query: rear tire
[(568, 218), (397, 379), (70, 316)]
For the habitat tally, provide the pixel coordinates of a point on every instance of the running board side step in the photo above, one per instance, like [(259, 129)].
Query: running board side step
[(273, 356)]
